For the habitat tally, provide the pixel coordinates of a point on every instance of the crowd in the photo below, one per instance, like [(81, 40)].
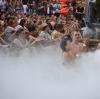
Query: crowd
[(21, 27)]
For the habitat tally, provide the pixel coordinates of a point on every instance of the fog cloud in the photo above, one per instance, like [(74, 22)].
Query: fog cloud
[(42, 74)]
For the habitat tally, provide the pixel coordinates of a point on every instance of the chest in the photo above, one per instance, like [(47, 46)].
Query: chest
[(76, 48)]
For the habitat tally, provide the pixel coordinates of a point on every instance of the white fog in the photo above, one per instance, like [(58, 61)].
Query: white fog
[(42, 74)]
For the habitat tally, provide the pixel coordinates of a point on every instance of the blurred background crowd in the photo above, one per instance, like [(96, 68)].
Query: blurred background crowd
[(25, 22)]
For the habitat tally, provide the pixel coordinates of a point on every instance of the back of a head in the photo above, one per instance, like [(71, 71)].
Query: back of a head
[(59, 27), (22, 22), (19, 31), (31, 27)]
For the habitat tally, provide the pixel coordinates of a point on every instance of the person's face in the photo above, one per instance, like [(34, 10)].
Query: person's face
[(14, 23), (64, 22), (77, 36), (3, 16)]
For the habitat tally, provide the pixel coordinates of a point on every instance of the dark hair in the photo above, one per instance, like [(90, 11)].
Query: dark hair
[(50, 26), (22, 22), (58, 27), (10, 20), (31, 27), (19, 31)]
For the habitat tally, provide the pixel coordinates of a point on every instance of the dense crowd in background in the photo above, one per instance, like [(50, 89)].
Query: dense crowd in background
[(24, 24)]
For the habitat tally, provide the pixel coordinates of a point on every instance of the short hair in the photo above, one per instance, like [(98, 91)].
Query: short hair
[(19, 31), (58, 26), (31, 27), (10, 20), (22, 22)]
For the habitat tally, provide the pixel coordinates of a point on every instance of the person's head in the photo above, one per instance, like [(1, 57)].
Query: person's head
[(11, 21), (2, 15), (53, 18), (76, 36), (31, 27), (68, 20), (59, 27), (39, 22), (79, 3), (44, 27), (32, 30), (86, 38), (21, 33), (23, 22)]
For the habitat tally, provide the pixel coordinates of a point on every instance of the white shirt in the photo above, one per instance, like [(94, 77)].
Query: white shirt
[(48, 10)]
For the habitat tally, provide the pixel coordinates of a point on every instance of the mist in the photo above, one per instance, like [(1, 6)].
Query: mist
[(42, 73)]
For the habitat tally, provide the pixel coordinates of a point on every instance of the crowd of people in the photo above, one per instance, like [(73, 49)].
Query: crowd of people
[(21, 29)]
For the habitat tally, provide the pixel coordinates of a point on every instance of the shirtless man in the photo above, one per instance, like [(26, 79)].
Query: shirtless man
[(76, 47)]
